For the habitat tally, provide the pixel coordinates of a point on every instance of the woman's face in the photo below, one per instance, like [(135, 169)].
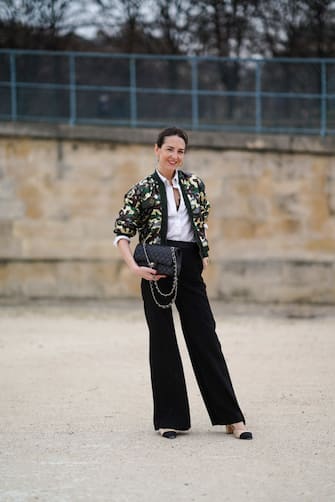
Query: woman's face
[(170, 155)]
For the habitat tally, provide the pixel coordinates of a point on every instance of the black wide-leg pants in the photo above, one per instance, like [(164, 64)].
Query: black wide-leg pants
[(171, 408)]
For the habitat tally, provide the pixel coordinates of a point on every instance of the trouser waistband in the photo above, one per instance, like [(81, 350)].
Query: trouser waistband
[(182, 244)]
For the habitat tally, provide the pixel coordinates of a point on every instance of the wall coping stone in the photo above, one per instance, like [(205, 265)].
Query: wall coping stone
[(198, 139)]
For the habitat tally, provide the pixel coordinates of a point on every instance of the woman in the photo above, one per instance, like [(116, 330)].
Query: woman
[(170, 207)]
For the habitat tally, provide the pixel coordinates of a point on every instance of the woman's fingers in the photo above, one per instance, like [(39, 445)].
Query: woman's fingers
[(147, 273), (150, 274)]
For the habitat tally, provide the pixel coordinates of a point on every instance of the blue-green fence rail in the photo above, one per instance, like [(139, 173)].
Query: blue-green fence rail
[(286, 95)]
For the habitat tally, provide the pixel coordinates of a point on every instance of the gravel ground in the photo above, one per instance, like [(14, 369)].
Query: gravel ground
[(76, 411)]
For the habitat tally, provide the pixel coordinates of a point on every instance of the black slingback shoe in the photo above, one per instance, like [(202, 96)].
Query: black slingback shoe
[(169, 435), (238, 433)]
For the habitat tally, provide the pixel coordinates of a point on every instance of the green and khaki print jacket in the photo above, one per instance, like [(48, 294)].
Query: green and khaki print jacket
[(145, 210)]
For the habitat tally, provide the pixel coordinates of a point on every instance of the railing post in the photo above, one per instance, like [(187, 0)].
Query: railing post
[(13, 88), (195, 96), (133, 96), (323, 100), (72, 87), (258, 97)]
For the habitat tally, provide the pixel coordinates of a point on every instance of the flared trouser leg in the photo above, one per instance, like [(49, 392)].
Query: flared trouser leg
[(171, 408), (203, 345)]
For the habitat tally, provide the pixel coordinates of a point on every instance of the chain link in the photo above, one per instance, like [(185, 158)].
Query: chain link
[(154, 285)]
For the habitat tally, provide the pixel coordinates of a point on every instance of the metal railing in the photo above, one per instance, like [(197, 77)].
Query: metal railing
[(282, 95)]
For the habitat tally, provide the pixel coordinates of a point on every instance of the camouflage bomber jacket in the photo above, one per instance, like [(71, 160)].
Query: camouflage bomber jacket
[(145, 210)]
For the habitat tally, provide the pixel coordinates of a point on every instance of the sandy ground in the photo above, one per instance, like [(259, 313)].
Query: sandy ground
[(76, 411)]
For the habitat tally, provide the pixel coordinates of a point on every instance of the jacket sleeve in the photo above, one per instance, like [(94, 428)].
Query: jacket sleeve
[(205, 205), (128, 220)]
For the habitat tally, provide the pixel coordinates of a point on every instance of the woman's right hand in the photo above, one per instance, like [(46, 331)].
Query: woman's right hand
[(147, 273)]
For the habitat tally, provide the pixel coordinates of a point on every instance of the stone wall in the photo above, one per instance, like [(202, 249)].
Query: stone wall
[(271, 229)]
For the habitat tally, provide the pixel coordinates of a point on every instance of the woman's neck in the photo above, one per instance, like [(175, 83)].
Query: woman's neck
[(168, 175)]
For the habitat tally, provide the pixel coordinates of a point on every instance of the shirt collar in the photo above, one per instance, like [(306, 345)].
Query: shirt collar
[(175, 179)]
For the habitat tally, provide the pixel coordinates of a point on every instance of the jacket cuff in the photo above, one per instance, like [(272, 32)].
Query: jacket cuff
[(205, 251)]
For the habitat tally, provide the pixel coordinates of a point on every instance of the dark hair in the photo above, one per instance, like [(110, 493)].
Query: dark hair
[(171, 131)]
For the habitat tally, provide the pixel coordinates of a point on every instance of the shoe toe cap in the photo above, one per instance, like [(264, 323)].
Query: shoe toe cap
[(169, 434), (246, 435)]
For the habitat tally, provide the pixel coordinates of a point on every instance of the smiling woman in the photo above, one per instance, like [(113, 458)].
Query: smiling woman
[(177, 217), (170, 156)]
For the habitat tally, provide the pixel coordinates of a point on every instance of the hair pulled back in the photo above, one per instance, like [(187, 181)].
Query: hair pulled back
[(171, 131)]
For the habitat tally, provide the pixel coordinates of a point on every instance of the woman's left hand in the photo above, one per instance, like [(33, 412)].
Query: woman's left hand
[(205, 262)]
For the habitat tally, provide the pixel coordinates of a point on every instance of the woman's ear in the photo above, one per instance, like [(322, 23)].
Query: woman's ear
[(157, 152)]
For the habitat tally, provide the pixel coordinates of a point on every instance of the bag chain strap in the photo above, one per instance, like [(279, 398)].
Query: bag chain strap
[(153, 284)]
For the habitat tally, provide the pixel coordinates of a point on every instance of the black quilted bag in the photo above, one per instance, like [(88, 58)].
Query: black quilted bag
[(164, 259), (167, 261)]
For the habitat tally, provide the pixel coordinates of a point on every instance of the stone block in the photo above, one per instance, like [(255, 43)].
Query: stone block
[(11, 209), (9, 245), (285, 226), (239, 165), (28, 229), (321, 245), (7, 189), (289, 204), (31, 196), (88, 229), (10, 248), (6, 229), (237, 229), (66, 279), (259, 208), (40, 248), (278, 281), (17, 279), (318, 213), (36, 155), (230, 204), (87, 279)]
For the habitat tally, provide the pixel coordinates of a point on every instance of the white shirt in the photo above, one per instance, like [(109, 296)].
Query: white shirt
[(179, 223), (179, 226)]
